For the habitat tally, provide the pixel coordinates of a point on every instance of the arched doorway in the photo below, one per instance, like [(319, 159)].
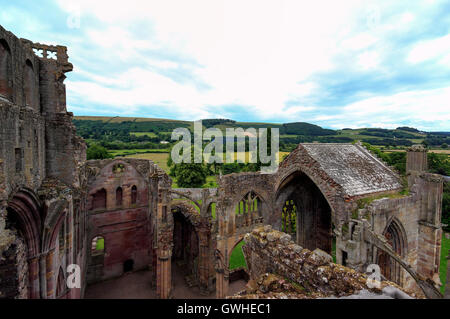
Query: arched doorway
[(305, 212), (289, 218), (185, 243), (237, 267), (185, 253), (390, 268)]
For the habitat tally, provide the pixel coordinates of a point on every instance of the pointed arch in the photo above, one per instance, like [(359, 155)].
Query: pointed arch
[(300, 197), (24, 216), (5, 70), (119, 196), (30, 87), (61, 284), (248, 210), (396, 237), (134, 195)]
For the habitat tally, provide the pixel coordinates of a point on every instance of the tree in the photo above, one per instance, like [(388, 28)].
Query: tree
[(444, 145), (190, 175), (96, 151)]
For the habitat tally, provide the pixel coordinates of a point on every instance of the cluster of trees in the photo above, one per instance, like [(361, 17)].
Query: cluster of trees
[(120, 145), (122, 131), (212, 122), (95, 151), (409, 129), (437, 140)]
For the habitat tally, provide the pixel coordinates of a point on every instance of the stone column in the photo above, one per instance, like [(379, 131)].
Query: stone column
[(203, 262), (222, 283), (33, 271), (221, 265), (42, 275), (50, 274), (430, 229), (163, 274)]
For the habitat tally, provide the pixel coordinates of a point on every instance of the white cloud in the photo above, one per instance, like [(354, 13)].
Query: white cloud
[(426, 105), (250, 53), (430, 49), (256, 53)]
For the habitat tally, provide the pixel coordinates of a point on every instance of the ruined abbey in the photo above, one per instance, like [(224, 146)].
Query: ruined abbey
[(55, 206)]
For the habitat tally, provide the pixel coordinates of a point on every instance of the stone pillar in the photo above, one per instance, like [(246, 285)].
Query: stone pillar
[(33, 271), (49, 274), (416, 159), (430, 229), (429, 250), (163, 274), (221, 284), (222, 272), (204, 260), (42, 275), (164, 250)]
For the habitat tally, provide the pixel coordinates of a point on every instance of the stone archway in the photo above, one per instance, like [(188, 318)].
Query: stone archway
[(23, 218), (313, 224), (396, 237), (185, 243), (191, 252)]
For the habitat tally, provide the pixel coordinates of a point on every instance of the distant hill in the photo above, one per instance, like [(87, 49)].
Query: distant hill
[(139, 132)]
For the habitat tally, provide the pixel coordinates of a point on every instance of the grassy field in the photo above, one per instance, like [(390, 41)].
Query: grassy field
[(149, 134), (237, 258), (443, 266), (159, 159), (127, 152)]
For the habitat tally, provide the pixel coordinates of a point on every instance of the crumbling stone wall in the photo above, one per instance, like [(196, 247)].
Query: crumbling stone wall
[(14, 271), (303, 273), (40, 158)]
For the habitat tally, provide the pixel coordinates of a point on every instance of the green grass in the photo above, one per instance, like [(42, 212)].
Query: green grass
[(149, 134), (125, 152), (237, 257), (100, 244), (443, 266), (159, 159)]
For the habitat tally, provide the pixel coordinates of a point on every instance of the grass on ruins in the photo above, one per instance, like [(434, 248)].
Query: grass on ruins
[(100, 244), (237, 258), (443, 266)]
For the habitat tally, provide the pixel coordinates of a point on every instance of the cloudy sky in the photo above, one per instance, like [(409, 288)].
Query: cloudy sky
[(332, 63)]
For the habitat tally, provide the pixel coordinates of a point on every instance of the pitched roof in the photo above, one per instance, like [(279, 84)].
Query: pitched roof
[(353, 167)]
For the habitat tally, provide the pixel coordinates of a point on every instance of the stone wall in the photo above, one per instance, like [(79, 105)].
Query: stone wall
[(124, 222), (40, 167), (14, 271), (312, 272)]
